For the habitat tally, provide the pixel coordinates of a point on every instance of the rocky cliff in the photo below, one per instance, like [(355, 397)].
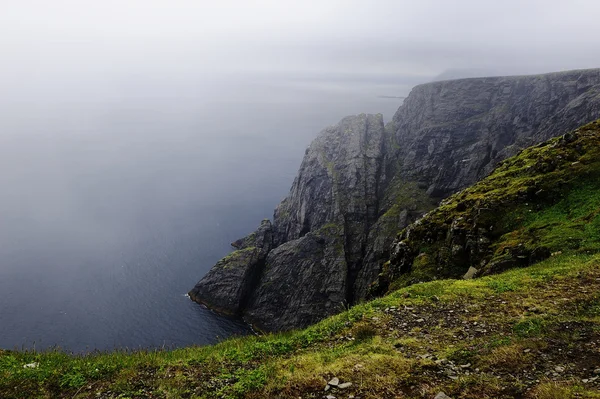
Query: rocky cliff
[(542, 202), (361, 183)]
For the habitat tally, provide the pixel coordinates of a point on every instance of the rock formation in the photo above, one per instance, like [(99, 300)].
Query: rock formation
[(361, 183), (528, 208)]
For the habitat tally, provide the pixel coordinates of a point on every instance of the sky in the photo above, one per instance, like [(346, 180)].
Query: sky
[(299, 42)]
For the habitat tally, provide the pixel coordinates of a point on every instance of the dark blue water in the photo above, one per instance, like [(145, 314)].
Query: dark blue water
[(110, 211)]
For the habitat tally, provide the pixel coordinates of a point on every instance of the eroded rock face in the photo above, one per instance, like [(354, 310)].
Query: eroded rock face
[(451, 134), (360, 183), (338, 182), (319, 233), (304, 281), (230, 283)]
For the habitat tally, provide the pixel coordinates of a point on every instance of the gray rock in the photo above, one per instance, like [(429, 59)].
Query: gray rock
[(442, 395), (229, 284), (453, 133), (361, 183), (303, 281), (345, 385), (334, 382)]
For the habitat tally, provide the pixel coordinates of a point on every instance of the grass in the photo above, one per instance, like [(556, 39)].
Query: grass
[(408, 343)]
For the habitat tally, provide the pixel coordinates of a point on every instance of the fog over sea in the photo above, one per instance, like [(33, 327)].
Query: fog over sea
[(119, 193)]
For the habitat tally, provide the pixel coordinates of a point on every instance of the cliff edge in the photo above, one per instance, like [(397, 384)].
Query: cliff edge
[(361, 182)]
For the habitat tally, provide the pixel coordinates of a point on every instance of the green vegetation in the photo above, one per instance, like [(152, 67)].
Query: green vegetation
[(499, 336), (238, 258), (544, 200)]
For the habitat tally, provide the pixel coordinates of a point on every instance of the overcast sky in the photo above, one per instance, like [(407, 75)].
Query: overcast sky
[(324, 38)]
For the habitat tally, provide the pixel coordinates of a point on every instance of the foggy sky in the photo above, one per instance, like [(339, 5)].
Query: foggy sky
[(47, 46), (142, 71)]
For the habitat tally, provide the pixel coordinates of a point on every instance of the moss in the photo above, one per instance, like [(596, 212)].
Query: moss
[(334, 233), (401, 195), (402, 199), (542, 201), (237, 258), (529, 327)]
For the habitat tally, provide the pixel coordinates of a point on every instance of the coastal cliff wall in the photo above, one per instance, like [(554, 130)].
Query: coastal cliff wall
[(362, 182)]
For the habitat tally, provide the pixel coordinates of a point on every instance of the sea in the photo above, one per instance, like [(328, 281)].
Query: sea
[(114, 203)]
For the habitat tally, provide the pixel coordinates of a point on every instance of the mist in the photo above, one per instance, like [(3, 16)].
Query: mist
[(139, 138)]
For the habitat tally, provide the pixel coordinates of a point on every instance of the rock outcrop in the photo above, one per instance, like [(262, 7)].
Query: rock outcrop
[(361, 183), (319, 233), (230, 283), (527, 209)]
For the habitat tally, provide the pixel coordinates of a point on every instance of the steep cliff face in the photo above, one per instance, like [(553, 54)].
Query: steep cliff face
[(360, 183), (319, 233), (230, 283), (450, 134)]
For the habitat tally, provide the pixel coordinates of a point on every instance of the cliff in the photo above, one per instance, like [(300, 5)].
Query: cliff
[(531, 332), (361, 183)]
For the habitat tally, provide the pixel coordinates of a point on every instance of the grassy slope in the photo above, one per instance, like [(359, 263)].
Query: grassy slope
[(531, 332), (512, 330)]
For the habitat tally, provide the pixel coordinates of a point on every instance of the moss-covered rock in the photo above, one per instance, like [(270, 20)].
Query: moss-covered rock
[(542, 201)]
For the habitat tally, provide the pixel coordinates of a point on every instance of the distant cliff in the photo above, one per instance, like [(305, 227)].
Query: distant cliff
[(361, 183)]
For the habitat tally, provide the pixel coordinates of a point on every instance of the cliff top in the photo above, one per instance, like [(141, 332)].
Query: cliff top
[(549, 75)]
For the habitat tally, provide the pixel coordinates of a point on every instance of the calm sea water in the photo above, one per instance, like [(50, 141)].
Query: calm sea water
[(111, 209)]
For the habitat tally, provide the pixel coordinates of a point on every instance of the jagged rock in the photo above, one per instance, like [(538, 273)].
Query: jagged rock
[(303, 281), (262, 238), (228, 285), (369, 182), (340, 181), (442, 395), (452, 133)]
